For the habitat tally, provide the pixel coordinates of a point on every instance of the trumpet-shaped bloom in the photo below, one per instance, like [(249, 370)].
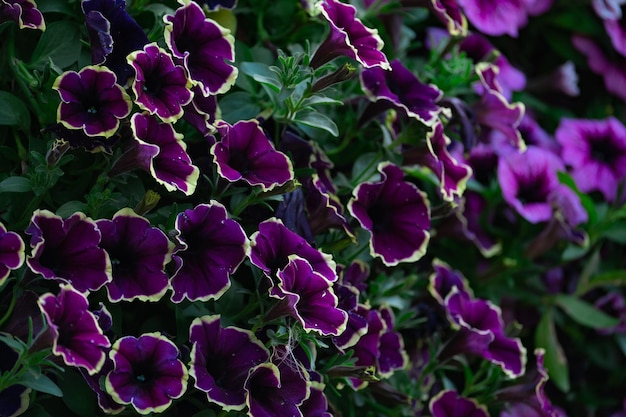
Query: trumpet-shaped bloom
[(400, 89), (138, 254), (78, 338), (396, 213), (68, 250), (203, 47), (221, 359), (596, 152), (91, 100), (273, 243), (147, 373), (11, 252), (210, 248), (113, 34), (505, 17), (348, 37), (309, 298), (161, 87), (22, 12), (162, 152), (450, 404), (268, 395), (246, 153)]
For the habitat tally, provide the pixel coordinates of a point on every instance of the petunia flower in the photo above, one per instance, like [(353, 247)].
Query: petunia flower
[(400, 89), (210, 247), (68, 250), (201, 113), (449, 403), (443, 279), (367, 349), (596, 152), (161, 87), (507, 18), (349, 37), (160, 150), (267, 395), (494, 113), (392, 355), (246, 153), (221, 359), (147, 373), (138, 254), (396, 213), (608, 9), (113, 34), (213, 5), (22, 12), (12, 253), (14, 399), (449, 12), (78, 338), (91, 100), (203, 47), (273, 243), (308, 297)]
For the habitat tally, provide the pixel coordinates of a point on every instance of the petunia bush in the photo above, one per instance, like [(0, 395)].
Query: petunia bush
[(306, 208)]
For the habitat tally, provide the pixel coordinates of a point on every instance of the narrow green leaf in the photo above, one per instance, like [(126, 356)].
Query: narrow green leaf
[(317, 120), (584, 313), (40, 382), (15, 184), (59, 43), (617, 278), (13, 111), (262, 74), (554, 359)]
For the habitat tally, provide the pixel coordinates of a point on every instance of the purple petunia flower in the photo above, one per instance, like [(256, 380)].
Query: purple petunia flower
[(449, 12), (348, 37), (11, 252), (450, 404), (201, 113), (396, 213), (161, 87), (113, 34), (308, 297), (246, 153), (68, 250), (506, 18), (91, 100), (14, 399), (210, 248), (212, 5), (273, 243), (221, 359), (138, 254), (608, 9), (596, 152), (147, 373), (203, 47), (161, 151), (481, 326), (400, 89), (494, 113), (444, 279), (392, 355), (22, 12), (78, 338), (267, 394)]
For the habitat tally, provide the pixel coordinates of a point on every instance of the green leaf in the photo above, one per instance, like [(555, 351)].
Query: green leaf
[(238, 106), (15, 184), (40, 382), (609, 278), (70, 208), (584, 313), (616, 233), (13, 111), (317, 120), (82, 400), (554, 359), (262, 74), (60, 43)]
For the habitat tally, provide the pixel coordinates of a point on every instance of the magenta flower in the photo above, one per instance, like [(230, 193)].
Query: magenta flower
[(596, 152), (268, 395), (210, 248), (161, 87), (22, 12), (78, 338), (203, 47), (308, 297), (91, 100), (348, 37), (138, 254), (450, 404), (147, 373), (507, 17), (68, 250), (221, 359), (396, 213), (246, 153), (11, 252)]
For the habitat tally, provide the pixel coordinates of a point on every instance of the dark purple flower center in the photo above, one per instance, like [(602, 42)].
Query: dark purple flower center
[(52, 259), (122, 259), (144, 373), (240, 162), (533, 191), (91, 105), (153, 83), (603, 151), (381, 216)]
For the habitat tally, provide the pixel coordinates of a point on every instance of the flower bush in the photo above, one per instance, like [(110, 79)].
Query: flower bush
[(312, 208)]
